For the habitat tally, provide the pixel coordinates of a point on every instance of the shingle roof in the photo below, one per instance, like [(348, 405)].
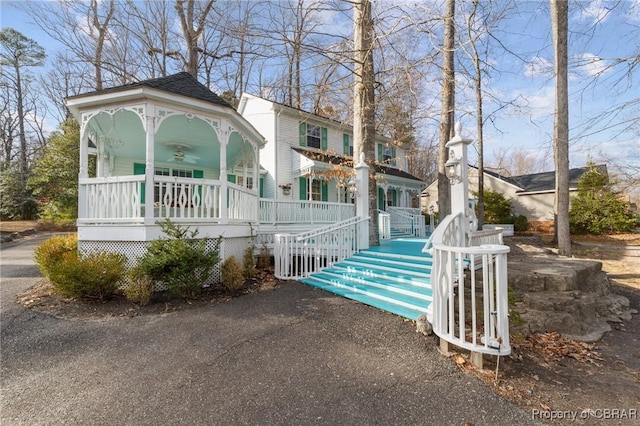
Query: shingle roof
[(546, 181), (339, 159), (181, 83)]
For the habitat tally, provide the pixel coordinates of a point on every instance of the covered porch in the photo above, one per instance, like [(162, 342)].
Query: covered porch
[(165, 148)]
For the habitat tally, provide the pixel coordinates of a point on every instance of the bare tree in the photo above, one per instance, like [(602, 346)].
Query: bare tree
[(191, 35), (20, 52), (560, 27), (364, 104)]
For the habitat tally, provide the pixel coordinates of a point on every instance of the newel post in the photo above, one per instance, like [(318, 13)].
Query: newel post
[(362, 201), (457, 168)]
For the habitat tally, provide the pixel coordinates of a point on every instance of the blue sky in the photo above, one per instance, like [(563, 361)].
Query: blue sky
[(599, 35)]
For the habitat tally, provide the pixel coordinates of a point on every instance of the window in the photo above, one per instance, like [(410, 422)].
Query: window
[(387, 154), (313, 136), (241, 181), (316, 190), (158, 195)]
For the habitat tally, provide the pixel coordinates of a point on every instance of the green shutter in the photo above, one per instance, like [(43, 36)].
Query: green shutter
[(345, 144), (324, 191), (303, 133), (231, 178), (380, 152), (323, 141), (394, 199), (199, 174), (139, 169), (393, 158), (261, 187), (381, 203), (303, 188)]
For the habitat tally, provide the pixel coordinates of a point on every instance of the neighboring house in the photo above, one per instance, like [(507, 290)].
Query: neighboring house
[(531, 195), (309, 157), (166, 148)]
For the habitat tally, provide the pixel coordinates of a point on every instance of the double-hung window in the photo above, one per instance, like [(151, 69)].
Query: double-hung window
[(313, 136)]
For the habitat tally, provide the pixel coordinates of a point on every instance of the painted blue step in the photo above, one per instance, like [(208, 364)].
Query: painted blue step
[(370, 299), (412, 291), (369, 270), (395, 277)]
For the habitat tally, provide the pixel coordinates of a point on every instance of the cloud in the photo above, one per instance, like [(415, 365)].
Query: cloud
[(592, 65), (538, 67), (595, 11)]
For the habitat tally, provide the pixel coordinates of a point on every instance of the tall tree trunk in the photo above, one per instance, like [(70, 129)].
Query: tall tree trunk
[(364, 105), (102, 34), (22, 135), (448, 109), (479, 116), (560, 27), (190, 33)]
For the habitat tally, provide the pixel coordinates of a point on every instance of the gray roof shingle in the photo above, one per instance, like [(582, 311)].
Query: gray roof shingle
[(181, 83)]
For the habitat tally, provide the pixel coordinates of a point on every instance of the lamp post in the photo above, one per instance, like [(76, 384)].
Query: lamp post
[(458, 173)]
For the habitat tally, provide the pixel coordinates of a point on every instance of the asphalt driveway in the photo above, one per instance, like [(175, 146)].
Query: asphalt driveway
[(295, 355)]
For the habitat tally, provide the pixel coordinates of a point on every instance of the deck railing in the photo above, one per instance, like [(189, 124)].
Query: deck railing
[(408, 220), (119, 199), (470, 290), (384, 225), (310, 212), (298, 255)]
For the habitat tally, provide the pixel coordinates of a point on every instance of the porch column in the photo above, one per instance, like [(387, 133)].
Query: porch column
[(458, 163), (362, 201), (149, 172), (83, 173), (224, 189)]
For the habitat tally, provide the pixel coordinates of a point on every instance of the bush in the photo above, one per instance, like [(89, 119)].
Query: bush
[(94, 276), (140, 288), (232, 276), (497, 208), (48, 254), (180, 261), (248, 262), (264, 257), (598, 208), (520, 223)]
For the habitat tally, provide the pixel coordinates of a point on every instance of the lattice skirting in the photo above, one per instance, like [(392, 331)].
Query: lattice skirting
[(133, 250)]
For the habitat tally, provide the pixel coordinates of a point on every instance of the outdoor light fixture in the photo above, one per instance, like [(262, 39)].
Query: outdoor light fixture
[(452, 167), (178, 154), (353, 187)]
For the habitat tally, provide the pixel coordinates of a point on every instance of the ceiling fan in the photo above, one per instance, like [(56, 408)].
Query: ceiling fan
[(179, 155)]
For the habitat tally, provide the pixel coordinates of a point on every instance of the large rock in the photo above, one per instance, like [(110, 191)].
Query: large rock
[(555, 293)]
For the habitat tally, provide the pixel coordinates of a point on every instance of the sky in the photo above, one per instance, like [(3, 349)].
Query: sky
[(599, 33)]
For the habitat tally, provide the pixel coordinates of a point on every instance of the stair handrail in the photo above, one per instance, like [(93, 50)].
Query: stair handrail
[(456, 265), (415, 223), (298, 255)]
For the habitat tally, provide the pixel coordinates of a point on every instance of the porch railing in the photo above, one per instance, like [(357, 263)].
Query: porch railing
[(310, 212), (384, 225), (408, 220), (470, 302), (119, 199), (298, 255)]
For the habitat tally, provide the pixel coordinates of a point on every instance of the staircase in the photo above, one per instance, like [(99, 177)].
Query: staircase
[(394, 277)]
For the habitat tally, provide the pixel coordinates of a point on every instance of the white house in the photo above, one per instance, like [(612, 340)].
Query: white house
[(309, 157), (531, 195)]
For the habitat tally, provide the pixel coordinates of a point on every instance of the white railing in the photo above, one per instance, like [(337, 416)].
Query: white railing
[(291, 211), (476, 318), (489, 236), (404, 219), (186, 198), (118, 199), (384, 225), (298, 255)]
